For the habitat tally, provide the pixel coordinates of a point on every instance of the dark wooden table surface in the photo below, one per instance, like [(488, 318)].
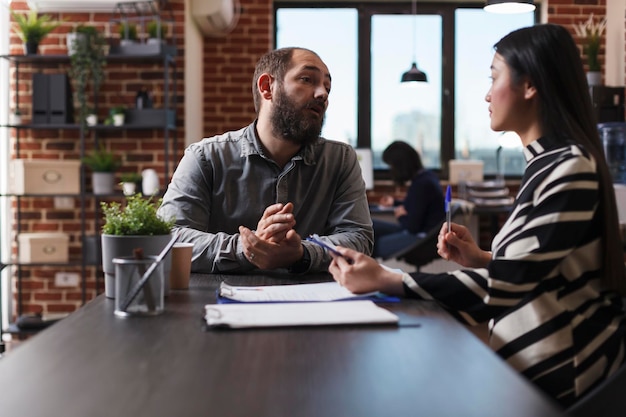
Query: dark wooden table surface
[(95, 364)]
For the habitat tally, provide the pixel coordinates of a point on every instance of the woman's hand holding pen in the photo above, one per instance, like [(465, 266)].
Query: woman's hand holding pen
[(459, 246), (360, 273)]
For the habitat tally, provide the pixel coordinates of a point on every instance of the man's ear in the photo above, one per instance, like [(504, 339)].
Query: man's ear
[(264, 84)]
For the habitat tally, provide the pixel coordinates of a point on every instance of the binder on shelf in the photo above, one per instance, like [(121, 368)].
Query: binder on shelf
[(52, 99)]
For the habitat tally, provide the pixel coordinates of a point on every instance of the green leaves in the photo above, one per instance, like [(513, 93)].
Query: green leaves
[(101, 160), (31, 27), (138, 217), (88, 62)]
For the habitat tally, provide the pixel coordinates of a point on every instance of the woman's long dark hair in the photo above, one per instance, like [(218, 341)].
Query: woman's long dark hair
[(548, 56), (403, 160)]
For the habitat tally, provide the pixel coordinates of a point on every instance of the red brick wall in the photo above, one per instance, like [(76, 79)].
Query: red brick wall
[(572, 12), (139, 149), (228, 66)]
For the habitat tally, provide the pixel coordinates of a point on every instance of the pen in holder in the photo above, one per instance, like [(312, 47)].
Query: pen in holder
[(132, 278)]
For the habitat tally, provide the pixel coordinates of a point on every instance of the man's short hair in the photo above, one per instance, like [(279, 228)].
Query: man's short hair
[(276, 63)]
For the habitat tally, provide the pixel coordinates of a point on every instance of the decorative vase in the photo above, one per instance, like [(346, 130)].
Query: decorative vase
[(103, 183), (594, 78), (114, 246), (150, 183)]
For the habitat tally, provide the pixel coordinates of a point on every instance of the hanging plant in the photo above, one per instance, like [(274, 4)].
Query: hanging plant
[(87, 67)]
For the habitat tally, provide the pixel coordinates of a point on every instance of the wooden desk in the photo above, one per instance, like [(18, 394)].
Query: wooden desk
[(95, 364)]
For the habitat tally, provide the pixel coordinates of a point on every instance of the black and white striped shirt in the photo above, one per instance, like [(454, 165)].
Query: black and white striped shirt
[(552, 321)]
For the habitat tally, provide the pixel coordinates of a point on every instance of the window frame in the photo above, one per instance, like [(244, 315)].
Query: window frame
[(365, 11)]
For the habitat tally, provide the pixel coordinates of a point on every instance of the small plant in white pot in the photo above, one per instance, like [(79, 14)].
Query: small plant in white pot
[(130, 181), (103, 165), (132, 226), (118, 115)]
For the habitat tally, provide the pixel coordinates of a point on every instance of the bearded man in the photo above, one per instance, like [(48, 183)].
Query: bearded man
[(246, 198)]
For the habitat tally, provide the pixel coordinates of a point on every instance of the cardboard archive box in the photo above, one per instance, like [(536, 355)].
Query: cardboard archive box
[(43, 247), (44, 176)]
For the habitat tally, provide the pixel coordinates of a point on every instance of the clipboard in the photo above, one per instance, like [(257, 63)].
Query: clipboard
[(290, 293), (250, 315)]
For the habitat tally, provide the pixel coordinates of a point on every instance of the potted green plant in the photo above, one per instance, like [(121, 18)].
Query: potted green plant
[(117, 115), (32, 29), (591, 35), (128, 33), (155, 31), (92, 118), (131, 226), (103, 164), (88, 60), (130, 181), (15, 118)]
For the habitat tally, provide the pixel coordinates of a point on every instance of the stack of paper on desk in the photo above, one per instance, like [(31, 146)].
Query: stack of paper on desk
[(296, 314), (323, 291)]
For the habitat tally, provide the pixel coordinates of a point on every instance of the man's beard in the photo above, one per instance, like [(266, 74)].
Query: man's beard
[(293, 123)]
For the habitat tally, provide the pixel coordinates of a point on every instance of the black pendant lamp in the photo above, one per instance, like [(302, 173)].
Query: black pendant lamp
[(414, 74), (509, 6)]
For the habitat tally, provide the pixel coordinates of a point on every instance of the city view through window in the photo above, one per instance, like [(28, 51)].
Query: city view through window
[(413, 112)]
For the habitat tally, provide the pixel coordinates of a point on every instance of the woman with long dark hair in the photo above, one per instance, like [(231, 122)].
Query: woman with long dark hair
[(421, 209), (552, 284)]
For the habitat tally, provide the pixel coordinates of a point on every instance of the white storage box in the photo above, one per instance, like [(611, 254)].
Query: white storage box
[(43, 247), (44, 176)]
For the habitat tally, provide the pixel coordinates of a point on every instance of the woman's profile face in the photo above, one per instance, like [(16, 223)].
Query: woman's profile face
[(506, 100)]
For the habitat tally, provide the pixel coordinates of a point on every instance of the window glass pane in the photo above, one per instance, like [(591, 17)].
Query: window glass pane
[(332, 34), (474, 139), (410, 112)]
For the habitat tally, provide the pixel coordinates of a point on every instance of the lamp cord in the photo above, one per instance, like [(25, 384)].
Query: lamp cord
[(414, 12)]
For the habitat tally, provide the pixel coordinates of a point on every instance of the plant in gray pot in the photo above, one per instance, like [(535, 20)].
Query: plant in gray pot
[(132, 226), (103, 165)]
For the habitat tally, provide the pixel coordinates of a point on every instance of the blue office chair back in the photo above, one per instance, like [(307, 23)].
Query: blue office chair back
[(606, 400), (424, 249)]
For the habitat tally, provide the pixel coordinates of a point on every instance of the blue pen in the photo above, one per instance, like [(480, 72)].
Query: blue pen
[(448, 212)]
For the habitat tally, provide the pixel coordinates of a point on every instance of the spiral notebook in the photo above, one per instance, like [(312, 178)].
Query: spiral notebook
[(238, 316)]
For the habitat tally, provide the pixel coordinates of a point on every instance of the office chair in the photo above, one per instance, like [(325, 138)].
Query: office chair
[(424, 249), (605, 400)]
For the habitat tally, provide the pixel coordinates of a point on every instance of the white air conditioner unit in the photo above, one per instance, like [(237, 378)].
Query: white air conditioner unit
[(213, 17), (44, 6)]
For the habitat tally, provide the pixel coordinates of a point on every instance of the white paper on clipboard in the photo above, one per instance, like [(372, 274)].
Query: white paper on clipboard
[(236, 316)]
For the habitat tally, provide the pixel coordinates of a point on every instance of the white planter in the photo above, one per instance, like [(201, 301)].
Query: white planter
[(15, 119), (71, 40), (594, 78), (91, 120), (129, 188), (118, 119)]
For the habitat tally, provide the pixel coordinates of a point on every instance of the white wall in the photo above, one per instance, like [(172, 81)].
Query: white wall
[(4, 156), (614, 68)]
